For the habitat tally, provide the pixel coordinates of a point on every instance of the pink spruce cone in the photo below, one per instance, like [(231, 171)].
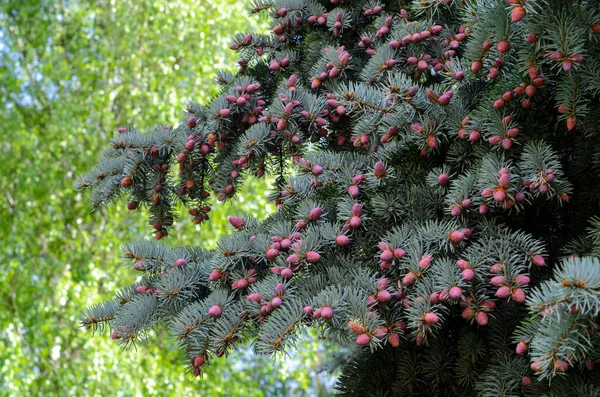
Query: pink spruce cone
[(326, 312), (276, 301), (394, 340), (215, 311), (355, 222), (215, 275), (387, 255), (443, 180), (455, 293), (287, 273), (342, 240), (409, 279), (481, 318), (254, 297), (312, 257), (384, 296), (382, 283), (522, 279), (236, 222), (456, 236), (518, 295), (503, 292), (425, 261), (272, 253), (538, 260), (379, 170), (498, 281), (468, 274), (522, 348), (315, 214), (363, 340), (431, 318)]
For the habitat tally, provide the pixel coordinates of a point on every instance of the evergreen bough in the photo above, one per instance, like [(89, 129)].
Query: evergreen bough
[(436, 169)]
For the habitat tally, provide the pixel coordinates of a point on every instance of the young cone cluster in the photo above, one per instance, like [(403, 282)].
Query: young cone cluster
[(441, 217)]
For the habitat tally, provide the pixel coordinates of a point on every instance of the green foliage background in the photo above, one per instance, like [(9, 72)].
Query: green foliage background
[(71, 73)]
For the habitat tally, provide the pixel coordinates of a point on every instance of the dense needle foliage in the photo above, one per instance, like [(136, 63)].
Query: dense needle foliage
[(436, 168)]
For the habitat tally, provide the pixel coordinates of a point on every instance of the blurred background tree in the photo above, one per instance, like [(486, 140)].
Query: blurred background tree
[(72, 72)]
